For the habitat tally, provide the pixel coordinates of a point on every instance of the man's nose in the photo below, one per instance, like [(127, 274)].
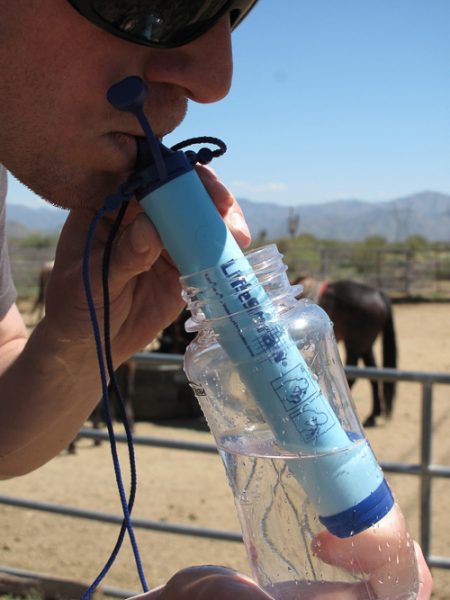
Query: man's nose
[(202, 68)]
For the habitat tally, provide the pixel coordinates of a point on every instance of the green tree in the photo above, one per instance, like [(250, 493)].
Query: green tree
[(375, 241), (37, 240), (293, 223), (416, 242)]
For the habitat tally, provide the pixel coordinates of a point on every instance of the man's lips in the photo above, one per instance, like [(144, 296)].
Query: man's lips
[(126, 140), (126, 144)]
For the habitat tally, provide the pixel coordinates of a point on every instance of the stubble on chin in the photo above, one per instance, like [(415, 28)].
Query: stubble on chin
[(88, 193), (68, 180)]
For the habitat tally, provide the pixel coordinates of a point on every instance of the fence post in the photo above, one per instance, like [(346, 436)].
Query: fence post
[(409, 256), (323, 263), (378, 252), (425, 462)]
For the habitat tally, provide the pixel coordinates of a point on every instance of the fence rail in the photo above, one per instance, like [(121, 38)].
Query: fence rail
[(425, 470), (400, 272)]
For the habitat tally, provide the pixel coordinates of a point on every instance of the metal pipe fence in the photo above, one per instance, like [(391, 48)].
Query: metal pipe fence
[(425, 469), (401, 272)]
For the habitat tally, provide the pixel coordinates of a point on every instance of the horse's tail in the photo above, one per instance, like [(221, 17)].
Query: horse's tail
[(389, 356)]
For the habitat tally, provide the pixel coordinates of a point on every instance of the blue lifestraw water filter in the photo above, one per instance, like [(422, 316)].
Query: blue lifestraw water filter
[(344, 481)]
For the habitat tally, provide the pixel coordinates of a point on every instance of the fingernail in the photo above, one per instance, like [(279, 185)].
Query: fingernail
[(140, 235), (238, 222)]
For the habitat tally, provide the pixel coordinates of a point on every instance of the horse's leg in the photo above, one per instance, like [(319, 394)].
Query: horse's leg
[(389, 356), (122, 406), (96, 419), (72, 447), (351, 360), (369, 361)]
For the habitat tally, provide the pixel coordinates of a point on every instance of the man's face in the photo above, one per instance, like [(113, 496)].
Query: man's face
[(58, 133)]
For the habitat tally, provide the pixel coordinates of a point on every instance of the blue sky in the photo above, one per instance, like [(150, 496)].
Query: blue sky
[(333, 99)]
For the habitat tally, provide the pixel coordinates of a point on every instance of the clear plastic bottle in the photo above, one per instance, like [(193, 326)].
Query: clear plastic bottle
[(316, 512)]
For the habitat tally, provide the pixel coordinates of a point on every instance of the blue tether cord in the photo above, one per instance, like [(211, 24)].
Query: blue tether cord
[(111, 203)]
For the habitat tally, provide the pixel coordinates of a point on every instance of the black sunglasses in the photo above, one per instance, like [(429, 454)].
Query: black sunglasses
[(161, 23)]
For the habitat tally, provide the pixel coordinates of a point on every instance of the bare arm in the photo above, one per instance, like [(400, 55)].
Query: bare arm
[(47, 391)]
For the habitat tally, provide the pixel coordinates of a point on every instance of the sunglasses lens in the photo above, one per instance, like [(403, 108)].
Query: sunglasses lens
[(165, 22)]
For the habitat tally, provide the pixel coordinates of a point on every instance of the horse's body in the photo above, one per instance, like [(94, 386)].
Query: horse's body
[(174, 339), (125, 377), (360, 314)]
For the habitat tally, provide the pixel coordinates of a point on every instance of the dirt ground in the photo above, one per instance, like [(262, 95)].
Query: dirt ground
[(190, 488)]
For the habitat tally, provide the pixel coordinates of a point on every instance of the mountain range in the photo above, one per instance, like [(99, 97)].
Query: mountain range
[(425, 213)]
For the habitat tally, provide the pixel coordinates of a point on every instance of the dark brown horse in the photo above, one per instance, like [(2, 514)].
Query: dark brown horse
[(175, 339), (360, 314), (125, 378)]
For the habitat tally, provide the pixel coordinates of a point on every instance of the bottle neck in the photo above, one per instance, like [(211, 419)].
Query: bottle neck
[(256, 282)]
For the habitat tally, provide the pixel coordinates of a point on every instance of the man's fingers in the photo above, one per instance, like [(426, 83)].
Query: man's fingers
[(385, 552), (370, 549), (425, 578), (136, 249), (221, 195), (238, 226), (226, 205), (207, 583)]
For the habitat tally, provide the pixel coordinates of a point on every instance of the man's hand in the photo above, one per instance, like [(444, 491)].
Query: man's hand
[(51, 384), (143, 282), (207, 583)]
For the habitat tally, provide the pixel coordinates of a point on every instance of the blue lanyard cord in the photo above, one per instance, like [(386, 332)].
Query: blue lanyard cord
[(109, 361), (107, 344), (114, 202), (111, 204)]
